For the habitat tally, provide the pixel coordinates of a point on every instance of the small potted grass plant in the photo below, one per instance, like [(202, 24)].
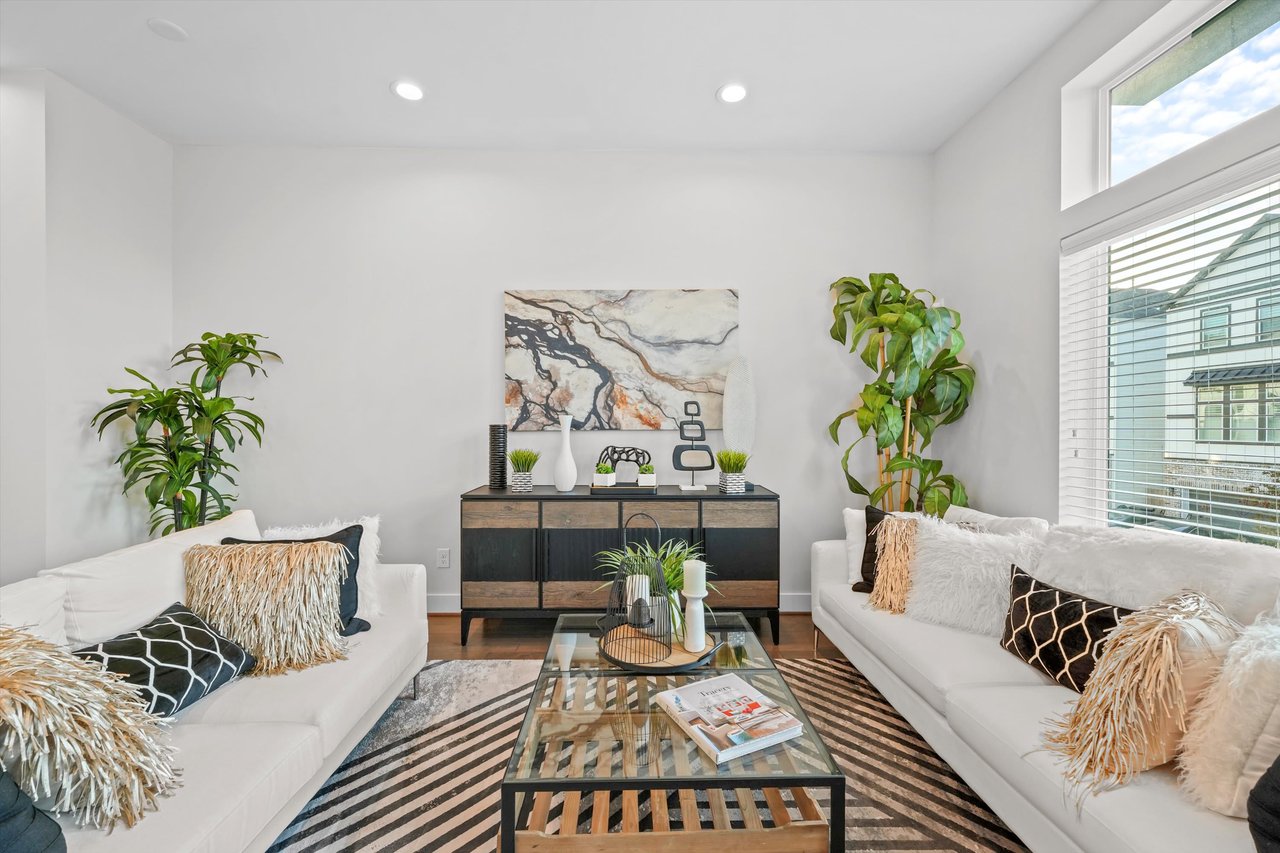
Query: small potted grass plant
[(604, 475), (733, 466), (522, 462), (647, 476)]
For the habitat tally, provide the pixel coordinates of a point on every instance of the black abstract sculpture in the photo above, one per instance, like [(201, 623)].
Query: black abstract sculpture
[(612, 456), (692, 457)]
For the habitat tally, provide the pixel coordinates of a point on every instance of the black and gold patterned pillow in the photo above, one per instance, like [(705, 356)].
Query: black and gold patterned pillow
[(1057, 632)]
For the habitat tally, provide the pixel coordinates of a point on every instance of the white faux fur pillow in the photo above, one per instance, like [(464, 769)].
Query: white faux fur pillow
[(1234, 734), (960, 577), (370, 545)]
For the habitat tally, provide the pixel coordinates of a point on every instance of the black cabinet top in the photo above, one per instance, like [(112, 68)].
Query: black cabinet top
[(665, 493)]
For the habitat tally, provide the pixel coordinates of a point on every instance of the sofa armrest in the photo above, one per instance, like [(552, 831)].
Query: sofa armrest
[(402, 589), (828, 563)]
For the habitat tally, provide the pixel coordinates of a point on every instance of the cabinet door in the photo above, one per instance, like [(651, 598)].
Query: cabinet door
[(570, 577), (741, 542), (499, 555)]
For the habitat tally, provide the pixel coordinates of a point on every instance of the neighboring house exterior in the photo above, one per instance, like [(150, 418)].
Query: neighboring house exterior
[(1195, 392)]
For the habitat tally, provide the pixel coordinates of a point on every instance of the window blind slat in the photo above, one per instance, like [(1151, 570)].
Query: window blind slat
[(1169, 376)]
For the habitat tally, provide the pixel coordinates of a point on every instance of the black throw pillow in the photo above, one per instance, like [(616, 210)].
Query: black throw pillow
[(23, 827), (348, 538), (868, 582), (1058, 632), (177, 659), (1264, 811)]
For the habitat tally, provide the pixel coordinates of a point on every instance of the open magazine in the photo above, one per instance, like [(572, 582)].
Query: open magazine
[(727, 717)]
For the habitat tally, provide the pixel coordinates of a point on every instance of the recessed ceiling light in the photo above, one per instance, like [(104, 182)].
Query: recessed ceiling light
[(731, 93), (166, 29), (407, 89)]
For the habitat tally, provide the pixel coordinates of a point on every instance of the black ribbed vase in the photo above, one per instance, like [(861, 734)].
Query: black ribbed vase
[(497, 456)]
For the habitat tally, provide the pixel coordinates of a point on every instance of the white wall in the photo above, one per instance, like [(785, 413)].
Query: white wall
[(22, 316), (997, 191), (378, 275), (94, 293)]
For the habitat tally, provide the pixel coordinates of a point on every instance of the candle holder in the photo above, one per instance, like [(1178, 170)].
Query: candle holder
[(695, 623)]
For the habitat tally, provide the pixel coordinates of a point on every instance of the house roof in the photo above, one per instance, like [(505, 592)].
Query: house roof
[(1245, 237), (1234, 375)]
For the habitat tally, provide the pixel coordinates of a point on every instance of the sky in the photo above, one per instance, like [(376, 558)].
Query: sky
[(1237, 87)]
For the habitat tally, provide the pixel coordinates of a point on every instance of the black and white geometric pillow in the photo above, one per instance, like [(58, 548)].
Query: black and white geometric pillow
[(1058, 632), (176, 659)]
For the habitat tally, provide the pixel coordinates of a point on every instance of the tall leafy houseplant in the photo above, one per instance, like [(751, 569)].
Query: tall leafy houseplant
[(182, 433), (913, 345)]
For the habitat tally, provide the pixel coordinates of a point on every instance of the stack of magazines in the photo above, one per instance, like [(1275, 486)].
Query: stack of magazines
[(728, 717)]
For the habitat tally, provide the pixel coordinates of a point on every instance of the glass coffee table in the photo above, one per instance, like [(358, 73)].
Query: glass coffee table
[(599, 766)]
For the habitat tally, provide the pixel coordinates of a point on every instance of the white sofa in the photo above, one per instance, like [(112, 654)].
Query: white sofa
[(255, 751), (983, 710)]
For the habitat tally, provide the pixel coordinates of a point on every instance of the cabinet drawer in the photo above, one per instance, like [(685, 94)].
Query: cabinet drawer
[(580, 515), (739, 513), (733, 594), (582, 595), (476, 514), (683, 514), (493, 595)]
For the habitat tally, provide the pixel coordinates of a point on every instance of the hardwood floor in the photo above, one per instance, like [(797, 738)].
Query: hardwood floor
[(527, 639)]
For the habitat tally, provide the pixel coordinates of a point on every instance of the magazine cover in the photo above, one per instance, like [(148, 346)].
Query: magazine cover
[(728, 717)]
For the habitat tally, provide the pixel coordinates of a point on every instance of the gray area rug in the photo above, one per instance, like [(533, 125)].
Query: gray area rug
[(426, 777)]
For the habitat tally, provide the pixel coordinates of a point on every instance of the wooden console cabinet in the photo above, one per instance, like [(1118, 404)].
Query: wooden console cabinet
[(534, 554)]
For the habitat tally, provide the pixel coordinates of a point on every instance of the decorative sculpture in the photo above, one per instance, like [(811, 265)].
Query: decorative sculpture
[(612, 456), (692, 457)]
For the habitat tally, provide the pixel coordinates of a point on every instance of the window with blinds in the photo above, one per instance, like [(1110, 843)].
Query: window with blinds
[(1170, 374)]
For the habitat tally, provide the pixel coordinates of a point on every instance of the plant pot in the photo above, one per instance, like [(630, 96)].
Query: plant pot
[(604, 479), (733, 484), (522, 481), (647, 480)]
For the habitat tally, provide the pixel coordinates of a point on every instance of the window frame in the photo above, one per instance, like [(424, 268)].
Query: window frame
[(1274, 334), (1213, 311), (1223, 400)]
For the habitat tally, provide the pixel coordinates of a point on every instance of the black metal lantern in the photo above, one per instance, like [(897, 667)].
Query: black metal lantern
[(636, 629)]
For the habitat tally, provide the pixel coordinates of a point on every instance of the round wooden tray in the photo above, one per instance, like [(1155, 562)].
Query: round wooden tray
[(679, 660)]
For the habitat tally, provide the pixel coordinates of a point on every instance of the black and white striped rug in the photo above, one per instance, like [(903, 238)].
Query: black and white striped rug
[(426, 778)]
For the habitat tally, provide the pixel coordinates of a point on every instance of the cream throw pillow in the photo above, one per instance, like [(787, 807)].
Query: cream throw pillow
[(280, 600), (1235, 730), (76, 738), (1135, 708)]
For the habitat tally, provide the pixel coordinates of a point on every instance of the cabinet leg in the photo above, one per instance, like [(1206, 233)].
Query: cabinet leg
[(466, 626), (775, 625)]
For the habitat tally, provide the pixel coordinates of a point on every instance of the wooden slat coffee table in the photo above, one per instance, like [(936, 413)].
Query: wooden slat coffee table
[(598, 766)]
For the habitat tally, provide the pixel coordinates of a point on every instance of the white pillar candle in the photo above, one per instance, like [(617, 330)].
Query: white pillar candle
[(695, 577)]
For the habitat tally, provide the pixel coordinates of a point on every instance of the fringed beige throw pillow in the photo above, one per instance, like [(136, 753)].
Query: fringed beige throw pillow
[(895, 549), (1133, 713), (280, 600), (76, 738)]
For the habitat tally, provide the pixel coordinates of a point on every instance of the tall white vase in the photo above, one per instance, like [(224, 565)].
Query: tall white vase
[(566, 472)]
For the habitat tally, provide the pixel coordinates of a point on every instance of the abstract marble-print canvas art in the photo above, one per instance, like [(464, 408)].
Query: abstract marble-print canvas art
[(617, 359)]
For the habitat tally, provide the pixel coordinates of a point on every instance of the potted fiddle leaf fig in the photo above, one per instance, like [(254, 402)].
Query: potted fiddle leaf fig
[(912, 344)]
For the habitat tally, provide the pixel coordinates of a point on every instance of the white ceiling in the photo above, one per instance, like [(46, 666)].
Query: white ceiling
[(841, 75)]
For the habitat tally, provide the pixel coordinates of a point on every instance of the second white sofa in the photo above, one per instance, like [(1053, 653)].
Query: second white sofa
[(983, 710)]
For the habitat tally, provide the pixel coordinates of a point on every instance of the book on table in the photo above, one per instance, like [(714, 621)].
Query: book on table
[(727, 717)]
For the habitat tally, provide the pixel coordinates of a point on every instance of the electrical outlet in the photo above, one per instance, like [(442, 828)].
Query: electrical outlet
[(442, 558)]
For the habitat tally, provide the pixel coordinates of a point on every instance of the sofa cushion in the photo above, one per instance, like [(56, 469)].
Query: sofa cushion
[(997, 523), (332, 696), (123, 590), (932, 659), (1004, 725), (36, 605), (236, 778), (1136, 568)]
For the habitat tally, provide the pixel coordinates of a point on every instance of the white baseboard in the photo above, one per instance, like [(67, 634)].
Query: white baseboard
[(794, 602), (444, 602)]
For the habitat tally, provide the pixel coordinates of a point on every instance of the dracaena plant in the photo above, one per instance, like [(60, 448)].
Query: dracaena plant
[(913, 346), (181, 435)]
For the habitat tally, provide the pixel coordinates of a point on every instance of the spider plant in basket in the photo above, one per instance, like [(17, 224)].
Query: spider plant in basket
[(639, 558)]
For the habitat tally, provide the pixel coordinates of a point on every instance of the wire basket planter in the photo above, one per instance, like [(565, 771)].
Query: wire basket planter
[(636, 629)]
